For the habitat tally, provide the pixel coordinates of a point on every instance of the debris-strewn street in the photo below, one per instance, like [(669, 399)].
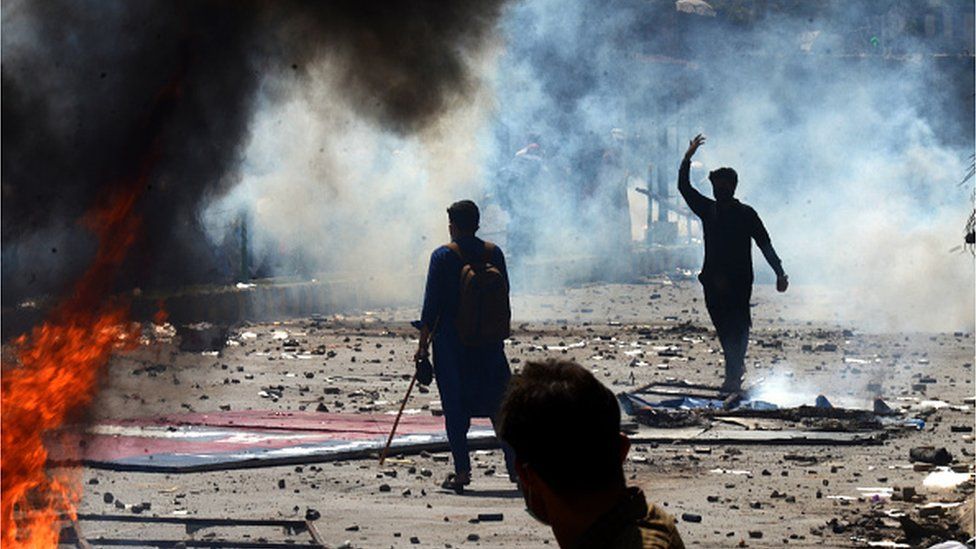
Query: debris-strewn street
[(236, 238), (741, 494)]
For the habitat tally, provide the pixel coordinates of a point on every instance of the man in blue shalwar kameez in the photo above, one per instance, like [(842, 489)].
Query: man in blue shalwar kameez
[(471, 380)]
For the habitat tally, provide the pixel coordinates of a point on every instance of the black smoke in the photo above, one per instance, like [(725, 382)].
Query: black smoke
[(81, 83)]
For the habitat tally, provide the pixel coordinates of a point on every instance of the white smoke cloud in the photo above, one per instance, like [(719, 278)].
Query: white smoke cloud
[(328, 192), (857, 191), (852, 159), (851, 154)]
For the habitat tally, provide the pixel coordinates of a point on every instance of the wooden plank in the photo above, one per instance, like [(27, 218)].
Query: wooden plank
[(80, 540), (297, 525), (678, 393), (680, 385), (790, 437), (194, 524), (652, 434), (314, 532), (708, 437), (232, 544)]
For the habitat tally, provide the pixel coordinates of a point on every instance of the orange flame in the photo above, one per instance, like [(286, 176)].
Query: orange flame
[(160, 316), (53, 372)]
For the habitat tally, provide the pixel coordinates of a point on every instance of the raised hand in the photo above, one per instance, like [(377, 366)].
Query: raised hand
[(693, 145)]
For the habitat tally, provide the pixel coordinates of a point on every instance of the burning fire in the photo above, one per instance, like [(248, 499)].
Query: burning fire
[(53, 372), (160, 316)]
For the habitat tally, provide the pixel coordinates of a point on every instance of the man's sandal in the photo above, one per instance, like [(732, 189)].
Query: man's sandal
[(456, 482)]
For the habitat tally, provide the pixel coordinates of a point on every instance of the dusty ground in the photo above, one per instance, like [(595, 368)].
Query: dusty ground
[(622, 328)]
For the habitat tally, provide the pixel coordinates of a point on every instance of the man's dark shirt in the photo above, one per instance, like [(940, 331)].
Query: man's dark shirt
[(632, 524), (728, 226)]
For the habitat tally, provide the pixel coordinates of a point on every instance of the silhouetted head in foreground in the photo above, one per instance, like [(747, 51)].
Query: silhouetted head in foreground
[(564, 427), (724, 182), (464, 218)]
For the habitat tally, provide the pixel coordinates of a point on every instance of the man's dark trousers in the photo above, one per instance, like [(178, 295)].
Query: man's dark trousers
[(727, 301)]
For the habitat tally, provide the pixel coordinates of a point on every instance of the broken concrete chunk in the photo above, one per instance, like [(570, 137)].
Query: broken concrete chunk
[(691, 517), (882, 408), (930, 454)]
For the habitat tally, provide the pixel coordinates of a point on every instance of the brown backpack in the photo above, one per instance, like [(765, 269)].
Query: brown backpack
[(484, 314)]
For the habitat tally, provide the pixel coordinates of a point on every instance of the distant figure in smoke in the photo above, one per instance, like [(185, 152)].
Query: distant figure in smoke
[(726, 277), (466, 313), (527, 174)]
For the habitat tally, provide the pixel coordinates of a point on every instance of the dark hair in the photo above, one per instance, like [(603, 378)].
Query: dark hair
[(464, 215), (724, 175), (562, 422)]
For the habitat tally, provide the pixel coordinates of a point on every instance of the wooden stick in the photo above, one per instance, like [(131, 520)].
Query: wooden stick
[(406, 398), (80, 540), (314, 532), (397, 420)]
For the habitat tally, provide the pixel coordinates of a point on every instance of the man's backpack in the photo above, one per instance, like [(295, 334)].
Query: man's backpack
[(484, 313)]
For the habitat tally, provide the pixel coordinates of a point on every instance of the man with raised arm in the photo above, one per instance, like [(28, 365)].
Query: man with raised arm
[(729, 227)]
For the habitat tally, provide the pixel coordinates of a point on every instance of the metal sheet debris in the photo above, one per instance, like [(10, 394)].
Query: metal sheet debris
[(678, 406), (186, 443)]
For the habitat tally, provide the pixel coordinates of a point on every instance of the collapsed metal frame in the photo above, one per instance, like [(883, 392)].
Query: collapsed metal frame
[(862, 430), (680, 388), (192, 525)]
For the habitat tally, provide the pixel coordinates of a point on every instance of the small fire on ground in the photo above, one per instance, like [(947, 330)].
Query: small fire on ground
[(52, 372)]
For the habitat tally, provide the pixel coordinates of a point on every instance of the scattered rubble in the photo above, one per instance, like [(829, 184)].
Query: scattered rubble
[(929, 454), (724, 494)]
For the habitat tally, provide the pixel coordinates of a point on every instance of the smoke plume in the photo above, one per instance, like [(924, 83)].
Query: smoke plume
[(79, 78), (338, 134), (848, 122)]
